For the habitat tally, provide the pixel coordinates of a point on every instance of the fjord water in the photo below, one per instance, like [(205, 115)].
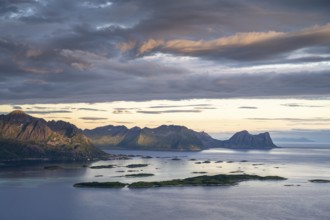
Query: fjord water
[(32, 192)]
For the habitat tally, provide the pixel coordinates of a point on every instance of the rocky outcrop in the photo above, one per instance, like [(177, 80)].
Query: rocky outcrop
[(25, 137), (245, 140)]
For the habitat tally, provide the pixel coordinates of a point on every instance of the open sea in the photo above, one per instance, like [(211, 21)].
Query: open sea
[(32, 192)]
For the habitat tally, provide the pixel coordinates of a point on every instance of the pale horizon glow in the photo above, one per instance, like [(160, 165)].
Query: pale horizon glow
[(215, 116)]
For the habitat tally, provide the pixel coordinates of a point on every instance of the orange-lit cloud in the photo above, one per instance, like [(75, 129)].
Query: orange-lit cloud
[(237, 43)]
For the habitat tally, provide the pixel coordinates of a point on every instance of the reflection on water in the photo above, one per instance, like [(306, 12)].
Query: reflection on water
[(40, 193)]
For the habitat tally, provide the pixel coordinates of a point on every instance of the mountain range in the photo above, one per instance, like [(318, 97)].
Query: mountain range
[(25, 137), (172, 137)]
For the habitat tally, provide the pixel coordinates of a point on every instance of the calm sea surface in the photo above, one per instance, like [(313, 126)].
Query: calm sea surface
[(33, 193)]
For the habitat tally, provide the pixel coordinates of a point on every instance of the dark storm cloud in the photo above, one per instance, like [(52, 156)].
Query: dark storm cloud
[(301, 4), (181, 17), (88, 51), (13, 6), (304, 85)]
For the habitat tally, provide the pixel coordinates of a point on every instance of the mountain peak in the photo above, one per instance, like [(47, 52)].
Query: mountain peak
[(19, 116), (243, 132), (17, 112), (244, 139), (23, 136)]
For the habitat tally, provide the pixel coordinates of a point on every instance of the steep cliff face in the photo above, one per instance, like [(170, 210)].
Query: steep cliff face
[(23, 136), (165, 137), (244, 139)]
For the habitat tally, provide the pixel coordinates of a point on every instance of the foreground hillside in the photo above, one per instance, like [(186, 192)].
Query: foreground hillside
[(25, 137)]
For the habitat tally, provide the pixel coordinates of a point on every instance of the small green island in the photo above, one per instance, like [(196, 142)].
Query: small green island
[(53, 167), (140, 175), (216, 180), (136, 165), (102, 167), (176, 158), (319, 181), (101, 184)]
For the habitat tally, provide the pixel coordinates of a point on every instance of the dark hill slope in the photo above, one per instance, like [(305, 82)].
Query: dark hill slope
[(25, 137)]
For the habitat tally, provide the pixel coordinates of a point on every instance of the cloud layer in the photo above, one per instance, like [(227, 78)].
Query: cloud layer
[(241, 46), (96, 51)]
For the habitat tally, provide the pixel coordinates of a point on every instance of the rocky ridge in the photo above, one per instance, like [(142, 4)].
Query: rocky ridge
[(172, 138), (25, 137)]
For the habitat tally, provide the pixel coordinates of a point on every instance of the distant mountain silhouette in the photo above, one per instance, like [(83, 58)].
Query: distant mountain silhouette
[(244, 139), (165, 137), (171, 138), (25, 137)]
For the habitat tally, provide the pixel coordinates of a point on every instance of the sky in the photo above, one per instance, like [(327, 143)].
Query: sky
[(216, 66)]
